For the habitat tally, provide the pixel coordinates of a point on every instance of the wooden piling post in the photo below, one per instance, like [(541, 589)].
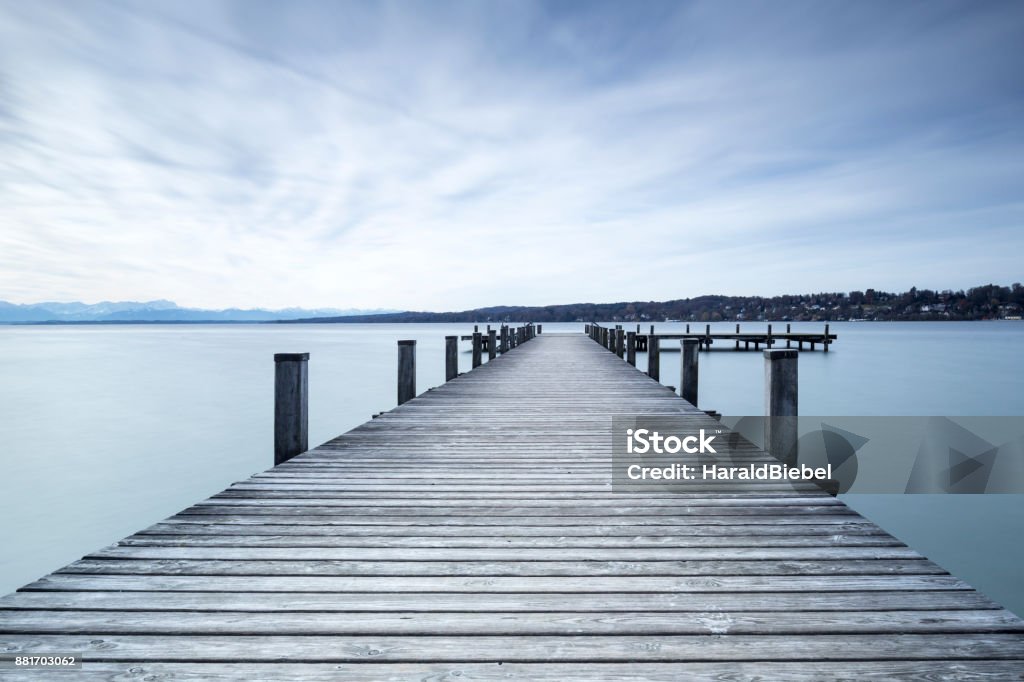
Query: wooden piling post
[(687, 327), (504, 338), (620, 348), (540, 329), (291, 405), (737, 336), (770, 341), (707, 338), (788, 340), (492, 344), (780, 404), (631, 348), (688, 371), (826, 342), (406, 370), (477, 350), (653, 358), (451, 357)]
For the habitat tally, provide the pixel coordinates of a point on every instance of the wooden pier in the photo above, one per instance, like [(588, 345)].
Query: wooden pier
[(751, 340), (471, 533)]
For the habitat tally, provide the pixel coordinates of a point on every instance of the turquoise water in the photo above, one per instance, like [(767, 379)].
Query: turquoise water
[(105, 430)]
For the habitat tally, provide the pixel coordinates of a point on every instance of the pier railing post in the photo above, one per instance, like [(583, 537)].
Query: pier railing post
[(619, 339), (492, 345), (477, 351), (451, 357), (737, 336), (826, 341), (291, 405), (688, 371), (788, 340), (780, 404), (631, 348), (653, 358), (504, 338), (406, 370), (540, 329)]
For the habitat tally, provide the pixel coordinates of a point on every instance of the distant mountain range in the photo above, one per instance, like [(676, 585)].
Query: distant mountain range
[(158, 311)]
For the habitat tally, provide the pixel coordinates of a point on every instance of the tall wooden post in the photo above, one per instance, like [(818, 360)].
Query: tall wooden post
[(451, 357), (477, 350), (653, 358), (788, 341), (707, 338), (406, 370), (780, 404), (770, 341), (688, 376), (826, 338), (631, 348), (492, 345), (620, 342), (291, 405), (737, 336), (504, 338)]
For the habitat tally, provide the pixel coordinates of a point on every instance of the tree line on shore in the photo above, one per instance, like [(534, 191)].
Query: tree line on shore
[(984, 302)]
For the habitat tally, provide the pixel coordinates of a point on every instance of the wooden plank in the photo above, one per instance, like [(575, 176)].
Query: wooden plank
[(582, 533), (191, 583), (798, 671), (824, 550), (357, 567), (497, 602), (534, 624), (565, 648)]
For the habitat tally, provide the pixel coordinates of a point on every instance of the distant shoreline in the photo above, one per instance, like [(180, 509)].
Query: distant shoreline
[(179, 323)]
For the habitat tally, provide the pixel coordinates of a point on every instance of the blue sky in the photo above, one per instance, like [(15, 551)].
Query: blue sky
[(447, 155)]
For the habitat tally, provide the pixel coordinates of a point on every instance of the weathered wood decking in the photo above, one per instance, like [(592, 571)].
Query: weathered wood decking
[(472, 533)]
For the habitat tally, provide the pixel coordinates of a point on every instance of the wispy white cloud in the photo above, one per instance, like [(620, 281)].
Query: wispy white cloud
[(445, 156)]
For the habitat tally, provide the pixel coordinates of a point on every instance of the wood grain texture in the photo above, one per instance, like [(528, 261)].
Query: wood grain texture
[(472, 533)]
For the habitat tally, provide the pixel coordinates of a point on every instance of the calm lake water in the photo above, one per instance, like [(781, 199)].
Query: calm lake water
[(105, 430)]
